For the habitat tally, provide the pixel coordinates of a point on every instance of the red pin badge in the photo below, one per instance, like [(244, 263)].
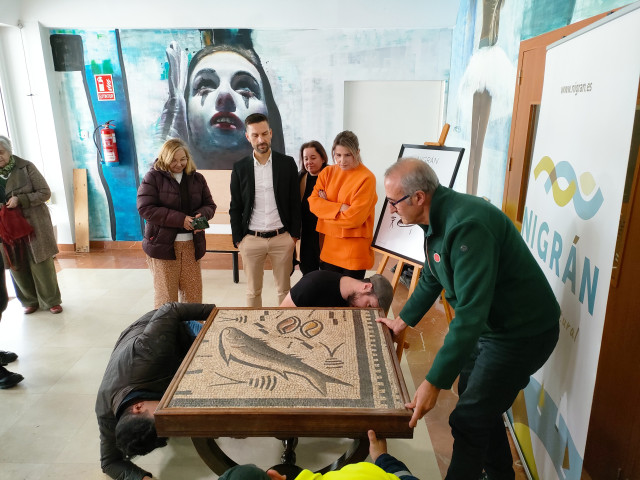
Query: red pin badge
[(436, 257)]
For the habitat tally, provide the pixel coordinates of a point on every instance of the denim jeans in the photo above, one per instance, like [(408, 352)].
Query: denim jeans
[(489, 383), (193, 328)]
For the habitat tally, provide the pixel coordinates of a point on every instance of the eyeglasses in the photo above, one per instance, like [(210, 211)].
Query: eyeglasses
[(396, 202)]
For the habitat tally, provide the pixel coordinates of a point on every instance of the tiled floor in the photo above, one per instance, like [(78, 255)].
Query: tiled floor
[(48, 427), (47, 424)]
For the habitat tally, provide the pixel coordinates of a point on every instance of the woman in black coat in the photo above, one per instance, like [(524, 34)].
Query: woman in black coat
[(313, 159), (171, 196)]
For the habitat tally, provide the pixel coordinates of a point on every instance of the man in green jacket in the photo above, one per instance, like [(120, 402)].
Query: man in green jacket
[(506, 315)]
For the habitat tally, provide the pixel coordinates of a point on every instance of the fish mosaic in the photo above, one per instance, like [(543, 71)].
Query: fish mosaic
[(314, 358)]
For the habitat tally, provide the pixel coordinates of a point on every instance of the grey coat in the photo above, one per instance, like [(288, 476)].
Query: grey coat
[(32, 190)]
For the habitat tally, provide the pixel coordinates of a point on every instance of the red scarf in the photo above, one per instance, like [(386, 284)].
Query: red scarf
[(15, 233)]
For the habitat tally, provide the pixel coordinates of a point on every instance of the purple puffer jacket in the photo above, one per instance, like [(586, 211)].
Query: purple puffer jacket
[(159, 204)]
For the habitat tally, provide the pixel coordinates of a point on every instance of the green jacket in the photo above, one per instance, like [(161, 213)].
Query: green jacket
[(489, 276)]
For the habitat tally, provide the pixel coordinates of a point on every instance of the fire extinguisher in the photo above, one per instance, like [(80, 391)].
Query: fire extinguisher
[(108, 140)]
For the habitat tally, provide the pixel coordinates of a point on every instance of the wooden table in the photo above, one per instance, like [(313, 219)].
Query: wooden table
[(219, 240), (287, 373), (218, 235)]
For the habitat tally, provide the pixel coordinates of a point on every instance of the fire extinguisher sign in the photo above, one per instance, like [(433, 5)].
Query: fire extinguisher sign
[(104, 87)]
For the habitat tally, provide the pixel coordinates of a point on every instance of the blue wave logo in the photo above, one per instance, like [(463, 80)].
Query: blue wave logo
[(585, 209)]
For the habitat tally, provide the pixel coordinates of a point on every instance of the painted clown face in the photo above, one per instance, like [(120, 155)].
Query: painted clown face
[(223, 90)]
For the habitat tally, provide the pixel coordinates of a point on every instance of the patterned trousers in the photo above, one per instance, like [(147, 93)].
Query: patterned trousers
[(178, 280)]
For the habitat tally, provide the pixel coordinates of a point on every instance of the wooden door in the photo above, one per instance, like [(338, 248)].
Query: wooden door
[(613, 438)]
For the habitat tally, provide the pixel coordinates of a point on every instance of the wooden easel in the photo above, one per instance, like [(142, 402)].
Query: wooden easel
[(417, 268), (443, 137)]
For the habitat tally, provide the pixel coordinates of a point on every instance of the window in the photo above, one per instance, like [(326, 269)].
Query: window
[(4, 128)]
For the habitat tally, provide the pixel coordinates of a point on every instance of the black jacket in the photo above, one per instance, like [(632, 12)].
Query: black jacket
[(285, 186), (146, 357)]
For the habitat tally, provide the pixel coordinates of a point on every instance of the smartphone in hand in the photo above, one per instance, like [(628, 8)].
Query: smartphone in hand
[(200, 223)]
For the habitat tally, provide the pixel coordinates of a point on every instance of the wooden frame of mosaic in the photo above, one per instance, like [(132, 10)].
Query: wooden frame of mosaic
[(288, 373)]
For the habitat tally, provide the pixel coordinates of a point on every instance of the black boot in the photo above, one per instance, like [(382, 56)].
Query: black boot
[(9, 379), (7, 357)]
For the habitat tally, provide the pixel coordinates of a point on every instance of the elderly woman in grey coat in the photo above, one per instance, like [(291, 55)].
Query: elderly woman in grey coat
[(34, 277)]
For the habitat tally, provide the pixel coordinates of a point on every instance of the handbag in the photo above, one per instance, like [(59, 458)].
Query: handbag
[(15, 233)]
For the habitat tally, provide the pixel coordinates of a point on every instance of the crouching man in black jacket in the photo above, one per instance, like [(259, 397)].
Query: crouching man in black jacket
[(142, 364)]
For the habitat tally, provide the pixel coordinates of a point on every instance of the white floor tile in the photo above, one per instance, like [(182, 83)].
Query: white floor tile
[(48, 428), (23, 471)]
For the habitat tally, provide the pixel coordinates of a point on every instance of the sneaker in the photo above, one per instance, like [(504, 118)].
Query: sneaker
[(7, 357), (56, 309), (30, 310), (9, 379)]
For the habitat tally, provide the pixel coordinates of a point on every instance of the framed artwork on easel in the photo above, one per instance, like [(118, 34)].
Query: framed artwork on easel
[(407, 241)]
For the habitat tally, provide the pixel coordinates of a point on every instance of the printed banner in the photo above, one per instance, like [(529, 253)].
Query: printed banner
[(570, 223)]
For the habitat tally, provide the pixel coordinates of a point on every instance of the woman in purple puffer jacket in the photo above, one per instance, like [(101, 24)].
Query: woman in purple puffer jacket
[(171, 196)]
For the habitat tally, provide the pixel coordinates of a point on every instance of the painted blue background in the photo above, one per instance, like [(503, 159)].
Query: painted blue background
[(307, 70)]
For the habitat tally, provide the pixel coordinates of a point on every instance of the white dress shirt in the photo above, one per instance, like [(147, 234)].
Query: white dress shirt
[(265, 216)]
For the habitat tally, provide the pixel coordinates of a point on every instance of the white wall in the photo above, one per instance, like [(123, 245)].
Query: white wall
[(247, 14), (386, 115), (31, 91), (9, 12)]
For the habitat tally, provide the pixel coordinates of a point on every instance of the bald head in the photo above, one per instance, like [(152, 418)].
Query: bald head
[(413, 175), (409, 185)]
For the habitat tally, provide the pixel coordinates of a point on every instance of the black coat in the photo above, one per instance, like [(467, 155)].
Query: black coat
[(146, 357), (309, 237), (286, 190)]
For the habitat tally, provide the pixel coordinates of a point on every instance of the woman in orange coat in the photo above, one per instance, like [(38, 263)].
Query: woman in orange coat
[(344, 200)]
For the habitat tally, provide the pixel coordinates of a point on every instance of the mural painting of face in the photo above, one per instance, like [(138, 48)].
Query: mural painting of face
[(224, 88)]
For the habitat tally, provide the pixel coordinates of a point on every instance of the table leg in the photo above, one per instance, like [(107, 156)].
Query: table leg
[(357, 452), (236, 276), (212, 455), (289, 454), (219, 462)]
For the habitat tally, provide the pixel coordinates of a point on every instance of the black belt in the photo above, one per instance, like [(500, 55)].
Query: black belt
[(270, 234)]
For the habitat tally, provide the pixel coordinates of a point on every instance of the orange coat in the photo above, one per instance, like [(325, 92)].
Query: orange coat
[(348, 234)]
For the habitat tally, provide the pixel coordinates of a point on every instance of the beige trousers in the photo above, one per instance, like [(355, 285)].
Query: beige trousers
[(254, 251), (178, 280)]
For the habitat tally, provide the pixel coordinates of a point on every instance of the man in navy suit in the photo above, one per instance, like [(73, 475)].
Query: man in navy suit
[(265, 211)]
